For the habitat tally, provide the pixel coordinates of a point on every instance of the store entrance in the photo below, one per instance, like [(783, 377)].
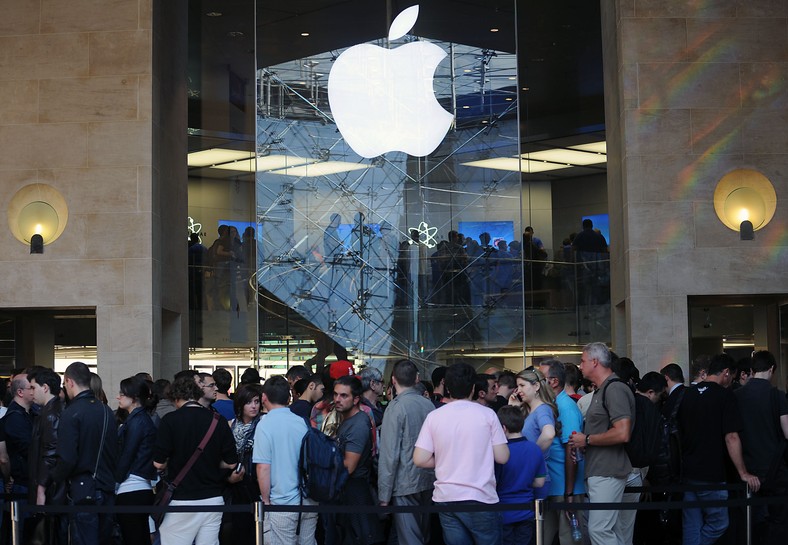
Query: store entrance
[(43, 336), (739, 325)]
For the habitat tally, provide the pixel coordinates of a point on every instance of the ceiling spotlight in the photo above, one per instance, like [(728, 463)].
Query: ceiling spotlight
[(305, 34), (493, 30), (214, 14), (236, 34)]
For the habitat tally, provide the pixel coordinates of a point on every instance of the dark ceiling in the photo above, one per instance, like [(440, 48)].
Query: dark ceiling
[(558, 41)]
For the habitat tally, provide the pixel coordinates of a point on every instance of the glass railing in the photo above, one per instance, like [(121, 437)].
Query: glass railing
[(491, 305)]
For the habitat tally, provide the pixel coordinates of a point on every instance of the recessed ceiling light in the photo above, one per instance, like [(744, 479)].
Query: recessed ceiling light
[(467, 70), (305, 34), (466, 107), (493, 30), (236, 34), (484, 121), (512, 77), (214, 14), (509, 98)]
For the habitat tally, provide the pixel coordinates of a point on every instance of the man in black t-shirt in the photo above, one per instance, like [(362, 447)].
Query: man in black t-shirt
[(765, 410), (178, 437), (709, 425), (355, 439)]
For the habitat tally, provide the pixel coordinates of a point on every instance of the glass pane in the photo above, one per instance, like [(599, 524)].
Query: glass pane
[(389, 187)]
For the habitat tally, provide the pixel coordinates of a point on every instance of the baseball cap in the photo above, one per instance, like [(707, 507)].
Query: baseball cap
[(250, 376), (340, 368)]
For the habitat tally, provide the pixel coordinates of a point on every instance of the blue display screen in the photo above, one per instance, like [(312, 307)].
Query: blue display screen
[(601, 222), (498, 230)]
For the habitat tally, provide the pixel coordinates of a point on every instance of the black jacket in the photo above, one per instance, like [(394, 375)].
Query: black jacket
[(43, 452), (18, 432), (81, 425), (135, 443)]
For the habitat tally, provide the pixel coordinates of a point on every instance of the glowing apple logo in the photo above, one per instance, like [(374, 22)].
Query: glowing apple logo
[(382, 99)]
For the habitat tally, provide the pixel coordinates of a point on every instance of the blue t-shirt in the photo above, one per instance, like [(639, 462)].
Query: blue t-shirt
[(277, 441), (515, 477), (537, 419), (571, 419), (225, 407)]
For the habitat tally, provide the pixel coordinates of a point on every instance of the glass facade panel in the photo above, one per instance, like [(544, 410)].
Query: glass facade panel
[(383, 229), (383, 167), (221, 222)]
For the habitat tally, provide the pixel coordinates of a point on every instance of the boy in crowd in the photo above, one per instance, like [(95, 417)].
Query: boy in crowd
[(517, 478)]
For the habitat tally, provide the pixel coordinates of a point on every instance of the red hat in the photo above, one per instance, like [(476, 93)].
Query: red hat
[(340, 368)]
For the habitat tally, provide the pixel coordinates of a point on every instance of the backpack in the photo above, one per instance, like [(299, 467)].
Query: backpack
[(321, 467), (648, 434)]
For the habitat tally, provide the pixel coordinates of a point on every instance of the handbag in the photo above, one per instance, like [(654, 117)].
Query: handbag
[(165, 493)]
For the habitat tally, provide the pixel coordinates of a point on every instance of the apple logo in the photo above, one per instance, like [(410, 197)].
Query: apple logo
[(382, 99)]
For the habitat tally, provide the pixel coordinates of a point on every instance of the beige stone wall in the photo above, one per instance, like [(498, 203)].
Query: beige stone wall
[(694, 91), (77, 105)]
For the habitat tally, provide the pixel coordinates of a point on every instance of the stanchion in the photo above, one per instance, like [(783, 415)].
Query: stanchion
[(748, 517), (258, 522), (539, 515), (16, 536)]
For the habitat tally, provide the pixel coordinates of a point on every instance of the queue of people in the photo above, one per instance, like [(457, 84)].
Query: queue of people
[(464, 438)]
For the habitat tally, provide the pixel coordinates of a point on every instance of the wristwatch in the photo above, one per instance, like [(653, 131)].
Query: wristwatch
[(588, 440)]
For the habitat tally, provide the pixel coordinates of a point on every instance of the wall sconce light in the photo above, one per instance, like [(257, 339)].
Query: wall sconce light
[(37, 244), (37, 215), (745, 201)]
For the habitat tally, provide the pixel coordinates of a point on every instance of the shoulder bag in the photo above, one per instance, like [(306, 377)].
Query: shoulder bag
[(164, 495)]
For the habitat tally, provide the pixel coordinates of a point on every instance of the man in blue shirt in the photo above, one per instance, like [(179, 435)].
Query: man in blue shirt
[(277, 445), (566, 474)]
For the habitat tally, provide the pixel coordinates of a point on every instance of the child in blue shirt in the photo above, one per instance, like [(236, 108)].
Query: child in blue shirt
[(517, 478)]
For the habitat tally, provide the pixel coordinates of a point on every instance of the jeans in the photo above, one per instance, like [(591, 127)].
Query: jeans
[(92, 528), (704, 525), (479, 528), (519, 533)]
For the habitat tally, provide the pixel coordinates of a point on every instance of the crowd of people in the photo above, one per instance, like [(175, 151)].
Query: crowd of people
[(555, 431)]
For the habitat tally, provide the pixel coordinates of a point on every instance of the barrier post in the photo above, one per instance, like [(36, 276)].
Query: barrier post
[(15, 533), (539, 516), (258, 522), (748, 516)]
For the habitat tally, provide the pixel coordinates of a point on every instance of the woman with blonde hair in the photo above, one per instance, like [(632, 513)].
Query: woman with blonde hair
[(537, 400)]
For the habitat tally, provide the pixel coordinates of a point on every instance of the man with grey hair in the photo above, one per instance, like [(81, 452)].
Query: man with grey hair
[(372, 386), (607, 429)]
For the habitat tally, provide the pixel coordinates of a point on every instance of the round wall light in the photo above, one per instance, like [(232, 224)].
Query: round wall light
[(37, 209), (745, 195)]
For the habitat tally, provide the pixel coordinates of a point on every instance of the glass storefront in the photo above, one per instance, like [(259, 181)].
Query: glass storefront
[(377, 200)]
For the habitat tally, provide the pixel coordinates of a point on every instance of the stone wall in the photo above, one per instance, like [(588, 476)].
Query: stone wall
[(693, 91), (79, 106)]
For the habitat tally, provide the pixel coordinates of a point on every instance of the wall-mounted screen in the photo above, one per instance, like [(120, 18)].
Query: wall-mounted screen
[(240, 225), (498, 230), (601, 222)]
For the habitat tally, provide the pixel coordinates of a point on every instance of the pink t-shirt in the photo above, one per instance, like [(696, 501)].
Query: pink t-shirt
[(461, 435)]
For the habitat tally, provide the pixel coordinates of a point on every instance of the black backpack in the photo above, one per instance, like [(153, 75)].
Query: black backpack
[(646, 443), (321, 466)]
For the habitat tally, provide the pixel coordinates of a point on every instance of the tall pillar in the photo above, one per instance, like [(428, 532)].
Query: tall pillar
[(693, 91), (92, 104)]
